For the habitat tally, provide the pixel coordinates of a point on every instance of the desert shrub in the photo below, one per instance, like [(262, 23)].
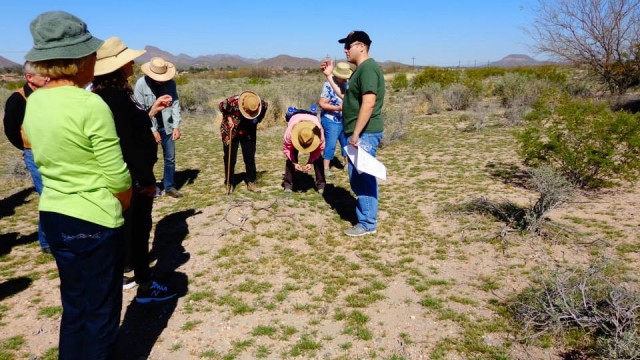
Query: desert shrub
[(400, 81), (589, 303), (458, 96), (515, 90), (181, 80), (432, 94), (553, 189), (4, 95), (257, 81), (588, 142), (194, 97), (441, 76), (395, 126)]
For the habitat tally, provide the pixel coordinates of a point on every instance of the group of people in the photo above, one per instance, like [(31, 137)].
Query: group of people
[(91, 156)]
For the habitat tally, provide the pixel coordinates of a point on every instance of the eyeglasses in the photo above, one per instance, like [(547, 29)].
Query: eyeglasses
[(348, 47)]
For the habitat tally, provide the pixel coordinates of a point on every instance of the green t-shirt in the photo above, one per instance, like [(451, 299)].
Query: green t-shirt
[(75, 145), (367, 78)]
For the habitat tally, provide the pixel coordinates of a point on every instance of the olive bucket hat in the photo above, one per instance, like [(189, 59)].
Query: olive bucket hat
[(60, 35)]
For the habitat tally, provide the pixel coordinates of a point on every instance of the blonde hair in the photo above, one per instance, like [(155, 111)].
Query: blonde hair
[(59, 68)]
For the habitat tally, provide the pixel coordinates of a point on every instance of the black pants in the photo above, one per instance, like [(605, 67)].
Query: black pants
[(290, 170), (248, 144), (137, 227)]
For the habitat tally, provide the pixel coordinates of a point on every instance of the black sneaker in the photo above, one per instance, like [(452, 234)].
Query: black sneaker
[(155, 292)]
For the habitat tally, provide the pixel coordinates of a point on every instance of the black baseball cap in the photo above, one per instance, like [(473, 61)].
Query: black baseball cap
[(354, 36)]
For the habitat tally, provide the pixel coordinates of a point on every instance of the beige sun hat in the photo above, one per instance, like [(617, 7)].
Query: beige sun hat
[(305, 136), (113, 55), (342, 70), (249, 104), (159, 69)]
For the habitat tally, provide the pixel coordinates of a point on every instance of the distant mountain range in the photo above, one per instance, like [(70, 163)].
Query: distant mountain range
[(183, 61), (515, 60), (6, 63)]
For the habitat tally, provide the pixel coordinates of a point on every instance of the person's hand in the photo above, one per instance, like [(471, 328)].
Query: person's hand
[(327, 67), (230, 122), (149, 191), (298, 167), (124, 198), (156, 135), (307, 168), (160, 104), (354, 139), (176, 134)]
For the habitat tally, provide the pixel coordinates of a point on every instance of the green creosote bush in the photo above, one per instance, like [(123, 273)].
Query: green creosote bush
[(591, 304), (587, 142), (400, 81), (442, 76)]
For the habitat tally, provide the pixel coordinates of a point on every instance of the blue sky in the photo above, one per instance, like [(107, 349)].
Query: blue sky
[(420, 32)]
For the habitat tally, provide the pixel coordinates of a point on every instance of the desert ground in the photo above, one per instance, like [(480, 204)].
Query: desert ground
[(271, 276)]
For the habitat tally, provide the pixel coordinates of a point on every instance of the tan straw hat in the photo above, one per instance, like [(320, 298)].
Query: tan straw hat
[(249, 104), (113, 55), (305, 136), (342, 70), (158, 69)]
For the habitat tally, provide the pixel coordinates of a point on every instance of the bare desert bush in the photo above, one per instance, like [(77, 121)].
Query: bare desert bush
[(15, 170), (459, 96), (395, 125), (589, 303), (194, 96), (433, 97), (554, 190)]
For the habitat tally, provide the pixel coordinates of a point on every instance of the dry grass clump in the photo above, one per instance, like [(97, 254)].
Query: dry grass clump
[(554, 190), (587, 307), (395, 126)]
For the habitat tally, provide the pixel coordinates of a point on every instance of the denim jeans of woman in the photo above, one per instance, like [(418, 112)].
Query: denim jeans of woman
[(30, 163), (90, 264), (333, 133), (365, 186), (169, 157)]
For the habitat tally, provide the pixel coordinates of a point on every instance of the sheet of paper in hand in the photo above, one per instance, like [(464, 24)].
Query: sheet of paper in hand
[(365, 163)]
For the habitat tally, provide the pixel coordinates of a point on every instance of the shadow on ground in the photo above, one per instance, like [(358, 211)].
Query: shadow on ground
[(144, 323), (342, 201), (13, 286), (9, 240), (9, 204)]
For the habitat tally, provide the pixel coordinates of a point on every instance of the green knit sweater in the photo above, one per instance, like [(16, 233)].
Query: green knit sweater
[(75, 146)]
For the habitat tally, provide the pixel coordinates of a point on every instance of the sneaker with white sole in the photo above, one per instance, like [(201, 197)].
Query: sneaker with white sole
[(155, 292), (358, 230), (128, 283)]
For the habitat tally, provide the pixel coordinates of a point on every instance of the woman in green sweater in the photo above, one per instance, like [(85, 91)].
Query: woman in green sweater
[(86, 184)]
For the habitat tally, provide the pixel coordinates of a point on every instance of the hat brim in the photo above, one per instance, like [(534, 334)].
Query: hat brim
[(346, 75), (247, 115), (75, 51), (113, 63), (171, 72), (296, 131)]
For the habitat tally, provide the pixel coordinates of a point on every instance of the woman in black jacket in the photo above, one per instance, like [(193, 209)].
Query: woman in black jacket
[(114, 66)]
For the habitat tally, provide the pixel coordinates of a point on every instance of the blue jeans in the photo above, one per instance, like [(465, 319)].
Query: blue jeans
[(90, 264), (37, 183), (365, 186), (333, 133), (169, 155)]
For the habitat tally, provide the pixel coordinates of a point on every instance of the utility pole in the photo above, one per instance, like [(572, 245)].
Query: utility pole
[(413, 62)]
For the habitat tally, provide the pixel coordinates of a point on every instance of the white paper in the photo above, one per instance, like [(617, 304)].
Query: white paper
[(365, 163)]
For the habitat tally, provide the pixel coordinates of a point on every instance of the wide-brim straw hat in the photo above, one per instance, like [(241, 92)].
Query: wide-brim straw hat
[(159, 69), (249, 104), (60, 35), (305, 136), (113, 55), (342, 70)]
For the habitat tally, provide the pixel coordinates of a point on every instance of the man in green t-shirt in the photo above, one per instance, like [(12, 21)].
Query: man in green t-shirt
[(363, 124)]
